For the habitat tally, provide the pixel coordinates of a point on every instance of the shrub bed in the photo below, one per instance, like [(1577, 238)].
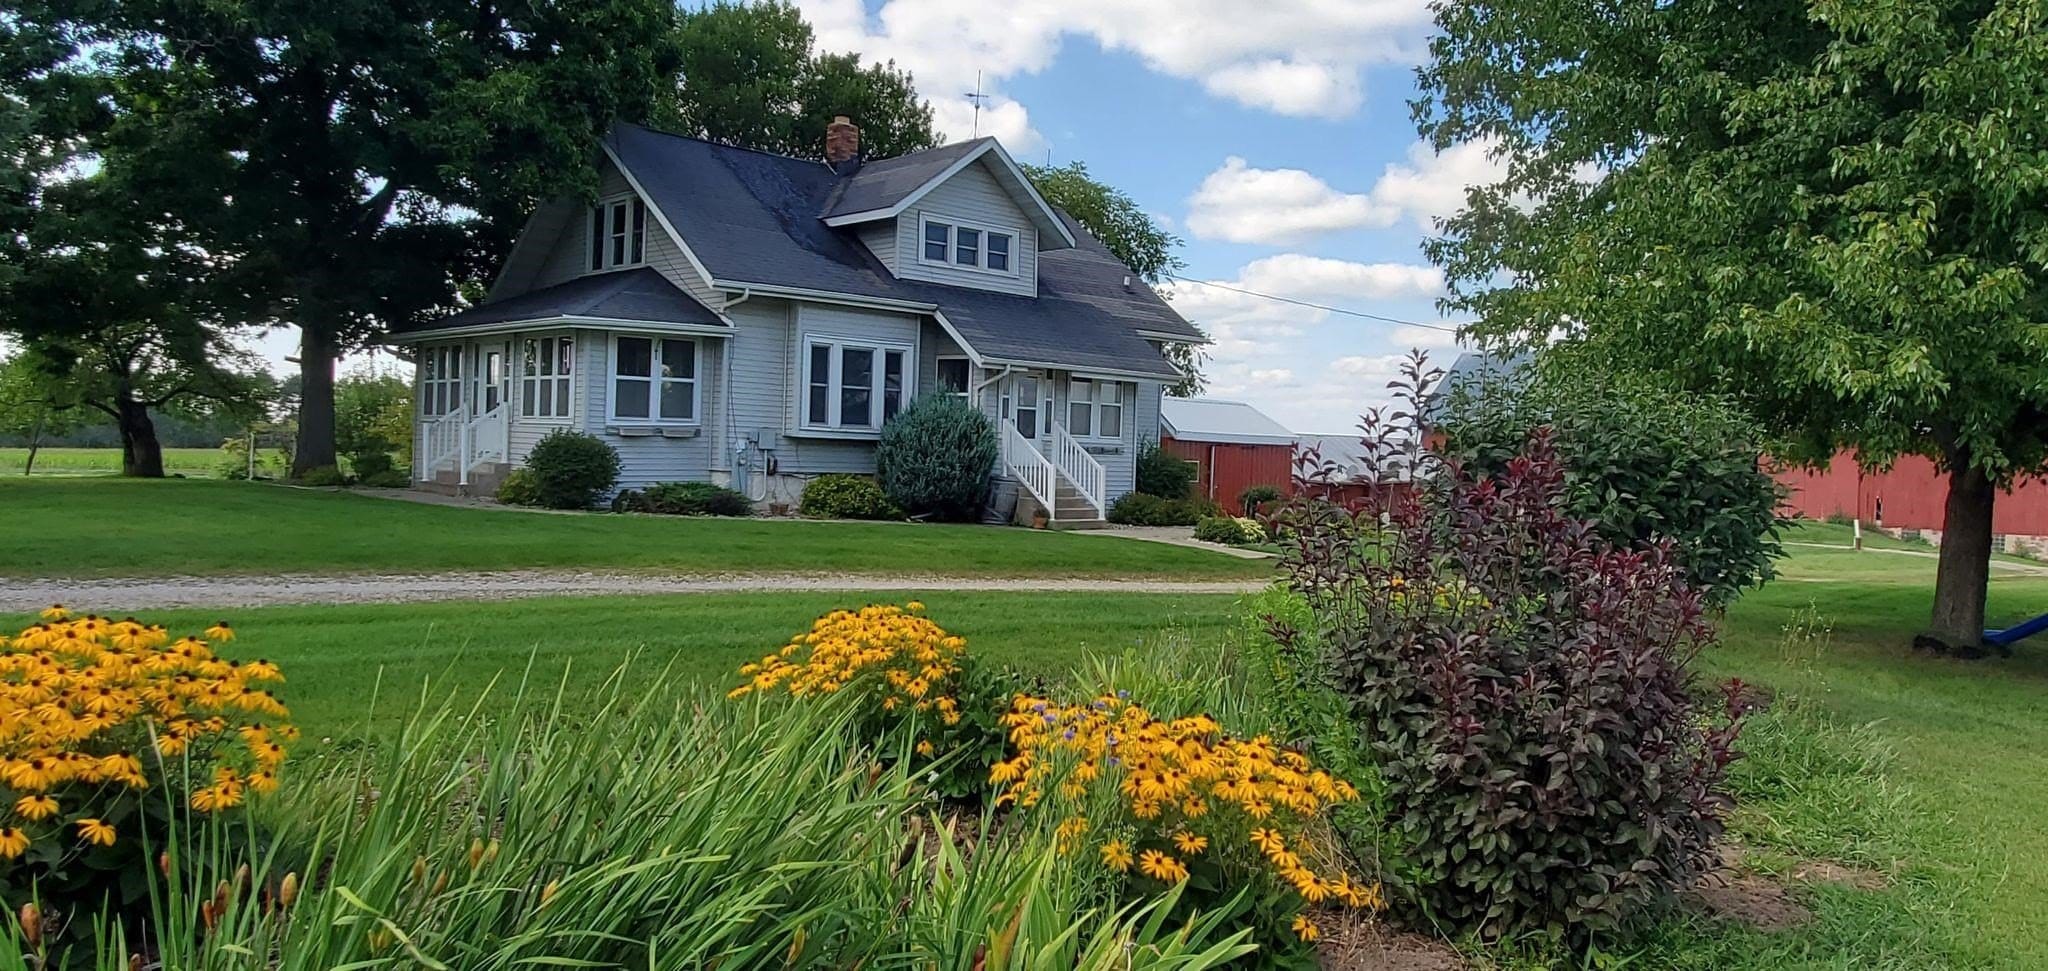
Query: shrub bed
[(846, 497), (1230, 530), (684, 499), (1143, 509)]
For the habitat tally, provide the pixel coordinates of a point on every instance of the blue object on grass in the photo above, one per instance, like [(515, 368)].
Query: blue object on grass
[(2017, 632)]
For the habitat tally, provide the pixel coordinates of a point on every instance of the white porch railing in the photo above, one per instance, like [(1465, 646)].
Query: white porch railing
[(1080, 468), (1029, 466), (457, 439)]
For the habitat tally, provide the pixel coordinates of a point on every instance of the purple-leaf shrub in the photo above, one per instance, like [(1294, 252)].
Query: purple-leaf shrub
[(1523, 684)]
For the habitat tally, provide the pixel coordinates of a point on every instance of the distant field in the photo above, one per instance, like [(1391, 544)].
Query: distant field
[(194, 462)]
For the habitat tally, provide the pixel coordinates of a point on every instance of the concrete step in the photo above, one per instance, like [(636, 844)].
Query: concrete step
[(484, 481)]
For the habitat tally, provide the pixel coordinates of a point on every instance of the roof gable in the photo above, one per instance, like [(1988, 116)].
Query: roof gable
[(887, 188)]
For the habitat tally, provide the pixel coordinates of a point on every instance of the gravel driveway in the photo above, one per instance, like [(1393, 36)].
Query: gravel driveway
[(122, 595)]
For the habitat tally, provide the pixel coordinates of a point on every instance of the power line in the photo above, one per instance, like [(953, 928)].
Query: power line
[(1313, 306)]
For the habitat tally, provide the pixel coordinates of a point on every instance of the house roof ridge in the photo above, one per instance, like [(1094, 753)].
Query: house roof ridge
[(715, 143)]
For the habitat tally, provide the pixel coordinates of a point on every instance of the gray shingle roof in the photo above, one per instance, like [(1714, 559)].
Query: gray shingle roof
[(885, 182), (640, 294), (753, 218)]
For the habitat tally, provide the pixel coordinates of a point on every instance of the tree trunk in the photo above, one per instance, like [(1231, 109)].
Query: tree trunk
[(35, 441), (1965, 560), (316, 400), (142, 456)]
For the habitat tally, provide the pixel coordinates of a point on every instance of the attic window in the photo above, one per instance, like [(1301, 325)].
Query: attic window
[(618, 234), (968, 247)]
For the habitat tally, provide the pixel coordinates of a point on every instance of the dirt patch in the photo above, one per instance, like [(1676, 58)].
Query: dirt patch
[(1827, 871), (1353, 942), (1748, 899)]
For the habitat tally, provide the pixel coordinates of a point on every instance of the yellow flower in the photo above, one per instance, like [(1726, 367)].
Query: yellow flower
[(1306, 929), (35, 807), (1269, 842), (1160, 866), (94, 831), (1116, 856), (915, 606), (55, 612), (220, 632), (1190, 843), (924, 748), (13, 842)]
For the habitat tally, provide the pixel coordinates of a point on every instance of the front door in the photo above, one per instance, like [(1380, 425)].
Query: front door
[(1027, 398), (491, 376)]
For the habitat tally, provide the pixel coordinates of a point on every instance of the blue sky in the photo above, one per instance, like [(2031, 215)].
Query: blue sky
[(1273, 137)]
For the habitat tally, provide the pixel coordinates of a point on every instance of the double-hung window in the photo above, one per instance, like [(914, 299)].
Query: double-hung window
[(544, 377), (654, 380), (1095, 409), (440, 380), (852, 385), (972, 247), (618, 234)]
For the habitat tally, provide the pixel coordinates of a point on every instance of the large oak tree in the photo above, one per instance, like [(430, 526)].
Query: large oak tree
[(1835, 210), (347, 165)]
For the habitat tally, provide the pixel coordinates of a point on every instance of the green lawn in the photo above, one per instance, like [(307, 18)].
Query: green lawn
[(87, 527), (203, 462)]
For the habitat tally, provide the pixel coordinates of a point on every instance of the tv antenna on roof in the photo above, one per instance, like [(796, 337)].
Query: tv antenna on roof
[(977, 99)]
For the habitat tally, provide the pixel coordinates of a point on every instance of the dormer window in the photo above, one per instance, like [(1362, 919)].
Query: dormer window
[(968, 247), (618, 234)]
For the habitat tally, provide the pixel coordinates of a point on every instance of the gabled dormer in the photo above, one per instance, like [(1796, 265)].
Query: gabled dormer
[(964, 215)]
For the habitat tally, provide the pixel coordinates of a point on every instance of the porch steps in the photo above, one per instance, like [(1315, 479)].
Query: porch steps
[(483, 481), (1071, 510)]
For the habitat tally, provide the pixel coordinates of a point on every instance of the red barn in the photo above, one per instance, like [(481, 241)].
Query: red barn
[(1910, 495), (1234, 446)]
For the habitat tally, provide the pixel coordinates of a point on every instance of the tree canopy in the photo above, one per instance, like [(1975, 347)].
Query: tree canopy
[(1129, 232), (1836, 212), (345, 166), (751, 75)]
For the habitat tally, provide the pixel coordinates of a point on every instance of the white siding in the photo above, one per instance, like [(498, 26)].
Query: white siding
[(672, 453), (972, 196)]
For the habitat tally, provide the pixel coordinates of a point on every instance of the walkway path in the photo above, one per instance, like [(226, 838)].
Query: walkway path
[(122, 595)]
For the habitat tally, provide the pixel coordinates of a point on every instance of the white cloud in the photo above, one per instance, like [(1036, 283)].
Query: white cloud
[(1295, 57), (1241, 204), (1432, 184)]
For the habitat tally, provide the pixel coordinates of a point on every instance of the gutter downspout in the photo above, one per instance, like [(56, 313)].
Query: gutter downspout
[(725, 389)]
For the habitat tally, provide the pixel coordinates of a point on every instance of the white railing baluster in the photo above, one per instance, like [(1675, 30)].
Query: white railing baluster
[(1030, 466), (1080, 468)]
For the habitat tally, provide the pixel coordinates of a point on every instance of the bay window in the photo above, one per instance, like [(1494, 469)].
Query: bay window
[(853, 385), (544, 377), (1095, 409), (654, 380)]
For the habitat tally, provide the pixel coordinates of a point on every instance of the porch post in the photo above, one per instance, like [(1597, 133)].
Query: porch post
[(462, 445)]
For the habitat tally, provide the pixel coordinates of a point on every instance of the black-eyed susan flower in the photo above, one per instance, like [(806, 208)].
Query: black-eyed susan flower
[(13, 842), (1160, 866), (1305, 928), (35, 807), (1190, 843), (1116, 856), (55, 612), (95, 832), (220, 632)]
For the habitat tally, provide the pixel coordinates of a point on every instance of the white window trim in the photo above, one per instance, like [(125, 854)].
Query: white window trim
[(565, 383), (603, 211), (455, 386), (1095, 405), (834, 390), (966, 394), (654, 380), (953, 242)]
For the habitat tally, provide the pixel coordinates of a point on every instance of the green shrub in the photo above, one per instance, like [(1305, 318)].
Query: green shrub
[(1526, 686), (1255, 498), (936, 457), (1229, 530), (846, 497), (520, 488), (1144, 509), (324, 475), (571, 470), (1163, 474), (377, 469), (1640, 463), (684, 499)]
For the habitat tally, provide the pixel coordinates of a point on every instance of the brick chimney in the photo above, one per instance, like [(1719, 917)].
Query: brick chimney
[(842, 142)]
